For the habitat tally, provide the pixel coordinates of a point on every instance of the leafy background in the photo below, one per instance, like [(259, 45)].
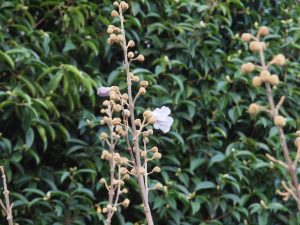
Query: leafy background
[(53, 56)]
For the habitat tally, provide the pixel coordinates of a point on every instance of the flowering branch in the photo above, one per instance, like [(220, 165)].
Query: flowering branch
[(120, 117), (7, 207), (256, 45)]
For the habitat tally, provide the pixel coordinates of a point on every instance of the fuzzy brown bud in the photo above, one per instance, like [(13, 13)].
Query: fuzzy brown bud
[(254, 109), (247, 67), (141, 58), (154, 149), (297, 142), (263, 31), (156, 169), (130, 55), (142, 90), (256, 81), (126, 112), (157, 155), (246, 37), (147, 114), (279, 59), (158, 186), (124, 5), (152, 120), (144, 83), (280, 121), (114, 13), (125, 203), (110, 29), (274, 80), (131, 44), (103, 136), (265, 76)]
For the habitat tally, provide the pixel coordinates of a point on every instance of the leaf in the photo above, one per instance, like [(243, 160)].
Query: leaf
[(205, 185)]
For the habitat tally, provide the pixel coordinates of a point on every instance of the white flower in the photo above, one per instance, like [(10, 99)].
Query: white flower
[(163, 120), (103, 91)]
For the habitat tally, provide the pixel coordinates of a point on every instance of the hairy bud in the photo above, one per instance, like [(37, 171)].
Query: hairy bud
[(263, 31), (280, 121), (254, 109), (247, 67), (246, 37), (256, 81)]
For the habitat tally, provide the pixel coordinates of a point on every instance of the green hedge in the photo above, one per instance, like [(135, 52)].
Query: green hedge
[(53, 56)]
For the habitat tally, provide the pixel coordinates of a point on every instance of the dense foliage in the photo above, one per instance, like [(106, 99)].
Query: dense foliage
[(53, 56)]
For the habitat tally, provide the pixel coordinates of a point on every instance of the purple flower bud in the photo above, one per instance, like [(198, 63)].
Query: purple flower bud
[(103, 91)]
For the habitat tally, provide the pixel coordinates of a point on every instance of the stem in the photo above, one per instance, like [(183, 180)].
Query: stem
[(291, 168), (112, 166), (136, 150), (8, 206)]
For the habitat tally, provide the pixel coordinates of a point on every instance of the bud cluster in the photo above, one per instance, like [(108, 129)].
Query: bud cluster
[(265, 77)]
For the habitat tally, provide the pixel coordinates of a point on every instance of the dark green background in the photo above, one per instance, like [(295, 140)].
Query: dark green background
[(53, 56)]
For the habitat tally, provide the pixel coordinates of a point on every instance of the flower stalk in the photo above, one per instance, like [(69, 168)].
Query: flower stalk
[(265, 77), (123, 122)]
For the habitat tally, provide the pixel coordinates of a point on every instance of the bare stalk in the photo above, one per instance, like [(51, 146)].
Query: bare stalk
[(131, 107), (291, 168), (7, 207)]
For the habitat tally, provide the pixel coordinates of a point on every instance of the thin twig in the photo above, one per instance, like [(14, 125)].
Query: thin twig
[(8, 207)]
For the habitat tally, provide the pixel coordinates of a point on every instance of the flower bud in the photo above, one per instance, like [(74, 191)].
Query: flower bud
[(124, 5), (147, 114), (126, 177), (135, 79), (156, 169), (126, 113), (141, 58), (274, 80), (102, 181), (265, 76), (298, 133), (116, 4), (114, 13), (131, 44), (144, 154), (138, 122), (120, 38), (142, 90), (158, 186), (130, 55), (255, 46), (263, 31), (124, 191), (154, 149), (279, 59), (144, 83), (126, 202), (256, 81), (116, 121), (157, 155), (125, 96), (246, 37), (103, 136), (109, 207), (114, 209), (115, 89), (110, 41), (117, 107), (297, 142), (110, 29), (152, 120), (280, 121), (254, 109), (247, 67), (104, 210), (123, 170)]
